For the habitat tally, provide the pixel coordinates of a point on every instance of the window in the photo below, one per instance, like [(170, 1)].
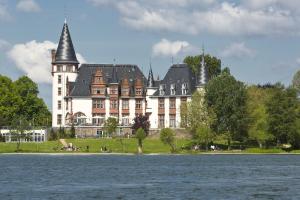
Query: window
[(172, 89), (67, 104), (172, 121), (125, 120), (161, 121), (184, 88), (125, 91), (172, 103), (138, 91), (59, 119), (98, 103), (59, 79), (98, 91), (98, 119), (113, 90), (113, 104), (59, 91), (161, 103), (80, 118), (138, 104), (125, 104), (69, 68), (161, 89), (59, 68), (59, 105)]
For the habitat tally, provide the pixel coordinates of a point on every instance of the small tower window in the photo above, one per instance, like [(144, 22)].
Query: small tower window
[(172, 89), (59, 91), (184, 88), (59, 79), (59, 68), (161, 89), (59, 105)]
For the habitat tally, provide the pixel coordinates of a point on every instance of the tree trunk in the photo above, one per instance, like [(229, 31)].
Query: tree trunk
[(260, 145), (140, 147), (229, 144)]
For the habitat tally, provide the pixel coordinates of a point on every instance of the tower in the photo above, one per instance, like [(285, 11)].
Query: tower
[(64, 70), (202, 77)]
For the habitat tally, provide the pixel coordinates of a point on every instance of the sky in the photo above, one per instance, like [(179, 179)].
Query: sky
[(257, 39)]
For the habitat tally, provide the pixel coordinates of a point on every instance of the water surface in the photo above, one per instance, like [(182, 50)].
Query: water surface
[(149, 177)]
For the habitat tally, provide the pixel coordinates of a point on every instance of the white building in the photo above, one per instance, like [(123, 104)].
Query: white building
[(87, 94)]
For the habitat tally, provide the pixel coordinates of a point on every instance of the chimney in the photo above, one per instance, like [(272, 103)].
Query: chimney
[(53, 52)]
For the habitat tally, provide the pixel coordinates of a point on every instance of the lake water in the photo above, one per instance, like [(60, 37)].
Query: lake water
[(149, 177)]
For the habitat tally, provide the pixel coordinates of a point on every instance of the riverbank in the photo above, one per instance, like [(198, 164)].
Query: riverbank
[(121, 147)]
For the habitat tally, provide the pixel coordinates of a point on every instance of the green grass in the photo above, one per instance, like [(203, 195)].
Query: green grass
[(115, 146), (45, 147)]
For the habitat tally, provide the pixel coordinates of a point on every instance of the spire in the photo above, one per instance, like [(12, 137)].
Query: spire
[(202, 74), (150, 81), (114, 78), (65, 53)]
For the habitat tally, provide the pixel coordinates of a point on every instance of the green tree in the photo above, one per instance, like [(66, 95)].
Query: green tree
[(167, 136), (110, 126), (227, 98), (296, 81), (213, 64), (258, 123), (20, 130), (204, 135), (140, 136), (53, 135), (183, 114), (283, 110)]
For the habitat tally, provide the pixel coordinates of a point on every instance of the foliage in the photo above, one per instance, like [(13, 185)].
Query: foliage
[(296, 81), (19, 131), (204, 135), (141, 121), (183, 114), (167, 136), (258, 123), (72, 131), (283, 116), (140, 136), (53, 135), (227, 98), (20, 99), (110, 125), (61, 132), (213, 64)]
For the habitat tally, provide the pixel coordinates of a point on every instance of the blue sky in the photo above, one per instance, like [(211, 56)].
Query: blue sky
[(258, 40)]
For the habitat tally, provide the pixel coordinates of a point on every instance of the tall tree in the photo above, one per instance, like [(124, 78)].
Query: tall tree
[(296, 81), (110, 126), (283, 110), (227, 98), (213, 64), (258, 122), (140, 136)]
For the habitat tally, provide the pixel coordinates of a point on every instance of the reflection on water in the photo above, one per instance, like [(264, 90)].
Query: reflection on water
[(150, 177)]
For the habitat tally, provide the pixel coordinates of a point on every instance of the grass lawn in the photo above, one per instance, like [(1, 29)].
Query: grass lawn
[(45, 147)]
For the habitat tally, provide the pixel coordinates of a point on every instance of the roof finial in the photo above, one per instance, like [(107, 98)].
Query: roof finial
[(65, 20)]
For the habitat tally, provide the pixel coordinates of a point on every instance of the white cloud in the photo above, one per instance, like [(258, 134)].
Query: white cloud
[(28, 6), (256, 17), (172, 48), (4, 14), (237, 50), (34, 59)]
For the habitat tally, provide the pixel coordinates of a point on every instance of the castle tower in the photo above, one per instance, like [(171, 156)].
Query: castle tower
[(64, 70), (202, 78)]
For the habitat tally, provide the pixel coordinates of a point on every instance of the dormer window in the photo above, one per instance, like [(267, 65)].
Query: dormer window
[(172, 89), (59, 68), (138, 91), (184, 88), (161, 89)]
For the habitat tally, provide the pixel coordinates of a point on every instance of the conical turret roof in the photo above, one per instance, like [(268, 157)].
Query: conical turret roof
[(65, 53), (150, 81)]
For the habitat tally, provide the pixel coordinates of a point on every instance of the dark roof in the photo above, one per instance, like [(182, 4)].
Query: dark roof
[(86, 71), (178, 74), (150, 81), (65, 53)]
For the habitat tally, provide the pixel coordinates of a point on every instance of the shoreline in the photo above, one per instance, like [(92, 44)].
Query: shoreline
[(145, 154)]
